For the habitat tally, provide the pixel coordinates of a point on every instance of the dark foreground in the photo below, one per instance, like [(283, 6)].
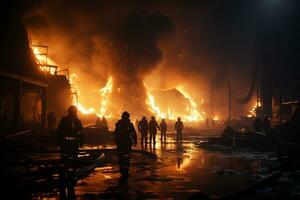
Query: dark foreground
[(177, 171)]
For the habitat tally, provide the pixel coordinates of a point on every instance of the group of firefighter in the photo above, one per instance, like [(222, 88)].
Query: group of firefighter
[(150, 128), (126, 137), (70, 134)]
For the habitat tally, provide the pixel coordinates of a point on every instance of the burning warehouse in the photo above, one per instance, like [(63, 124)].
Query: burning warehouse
[(28, 95), (27, 92), (142, 99)]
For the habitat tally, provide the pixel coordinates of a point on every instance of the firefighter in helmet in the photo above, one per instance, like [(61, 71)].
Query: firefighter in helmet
[(143, 128), (163, 130), (153, 126), (70, 137), (179, 127), (125, 138)]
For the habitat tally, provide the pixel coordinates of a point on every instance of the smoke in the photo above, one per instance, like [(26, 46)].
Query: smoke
[(95, 43), (130, 41), (134, 53)]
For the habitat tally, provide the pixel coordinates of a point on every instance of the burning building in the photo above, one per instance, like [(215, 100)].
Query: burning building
[(125, 62), (29, 88)]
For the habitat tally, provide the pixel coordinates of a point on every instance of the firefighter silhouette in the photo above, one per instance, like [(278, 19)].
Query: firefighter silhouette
[(98, 122), (51, 123), (70, 135), (125, 138), (163, 130), (257, 126), (143, 129), (266, 125), (179, 128), (153, 126)]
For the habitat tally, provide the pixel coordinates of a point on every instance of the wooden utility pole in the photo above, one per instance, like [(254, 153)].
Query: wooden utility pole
[(211, 99), (229, 99)]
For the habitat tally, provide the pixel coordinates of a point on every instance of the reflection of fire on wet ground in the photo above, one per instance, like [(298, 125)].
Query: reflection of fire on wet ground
[(179, 171)]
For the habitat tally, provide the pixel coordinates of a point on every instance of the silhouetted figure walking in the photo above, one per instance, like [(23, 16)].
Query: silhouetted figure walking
[(70, 135), (153, 126), (51, 123), (257, 125), (266, 125), (143, 129), (137, 123), (163, 130), (179, 128), (125, 137), (104, 125), (98, 122)]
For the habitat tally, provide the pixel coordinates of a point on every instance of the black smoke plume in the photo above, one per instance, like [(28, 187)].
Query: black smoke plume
[(96, 42), (135, 53)]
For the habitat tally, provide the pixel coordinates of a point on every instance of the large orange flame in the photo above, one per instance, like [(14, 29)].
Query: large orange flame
[(191, 108), (194, 115), (252, 111), (45, 64), (154, 108), (105, 95), (43, 60)]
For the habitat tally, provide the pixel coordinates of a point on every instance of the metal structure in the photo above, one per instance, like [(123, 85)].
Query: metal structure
[(43, 52)]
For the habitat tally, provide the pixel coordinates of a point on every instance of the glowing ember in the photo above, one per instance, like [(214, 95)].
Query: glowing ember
[(252, 111), (216, 118)]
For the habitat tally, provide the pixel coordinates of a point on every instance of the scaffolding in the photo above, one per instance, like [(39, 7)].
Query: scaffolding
[(42, 52), (74, 94), (52, 70)]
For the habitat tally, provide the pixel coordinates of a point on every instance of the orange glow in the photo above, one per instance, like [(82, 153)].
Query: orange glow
[(44, 61), (191, 108), (216, 118), (85, 111), (190, 113), (45, 64), (195, 115), (154, 108), (258, 104), (183, 163), (105, 94), (252, 111)]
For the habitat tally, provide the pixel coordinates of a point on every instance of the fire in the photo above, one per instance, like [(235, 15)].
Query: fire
[(216, 118), (85, 111), (45, 63), (191, 108), (195, 115), (105, 92), (48, 65), (252, 111), (154, 108)]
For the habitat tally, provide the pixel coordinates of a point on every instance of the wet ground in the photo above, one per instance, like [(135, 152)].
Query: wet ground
[(179, 171)]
